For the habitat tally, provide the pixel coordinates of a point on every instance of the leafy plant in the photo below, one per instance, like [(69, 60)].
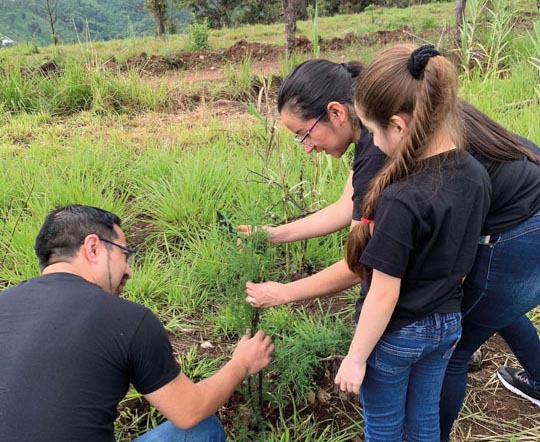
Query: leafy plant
[(197, 35)]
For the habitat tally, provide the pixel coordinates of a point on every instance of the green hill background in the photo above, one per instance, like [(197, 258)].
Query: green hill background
[(27, 20)]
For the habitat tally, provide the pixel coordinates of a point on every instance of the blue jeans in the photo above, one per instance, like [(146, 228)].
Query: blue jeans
[(404, 374), (502, 287), (208, 430)]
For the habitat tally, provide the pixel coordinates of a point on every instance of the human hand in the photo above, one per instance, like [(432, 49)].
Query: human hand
[(350, 374), (265, 294), (247, 230), (253, 353)]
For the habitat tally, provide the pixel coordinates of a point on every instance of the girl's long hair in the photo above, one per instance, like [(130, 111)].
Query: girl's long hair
[(488, 138), (388, 88)]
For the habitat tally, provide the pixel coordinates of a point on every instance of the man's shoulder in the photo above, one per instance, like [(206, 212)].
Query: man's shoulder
[(58, 287)]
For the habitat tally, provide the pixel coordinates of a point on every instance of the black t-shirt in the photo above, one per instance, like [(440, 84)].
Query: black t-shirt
[(516, 191), (69, 351), (516, 184), (426, 231), (368, 160)]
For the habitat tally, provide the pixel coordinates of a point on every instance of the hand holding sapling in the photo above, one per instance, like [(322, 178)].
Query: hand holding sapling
[(265, 294), (253, 353)]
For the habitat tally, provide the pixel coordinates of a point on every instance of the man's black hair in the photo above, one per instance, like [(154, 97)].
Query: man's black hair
[(64, 229)]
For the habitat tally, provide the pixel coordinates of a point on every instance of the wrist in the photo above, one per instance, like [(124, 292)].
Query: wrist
[(239, 368), (274, 234), (356, 357)]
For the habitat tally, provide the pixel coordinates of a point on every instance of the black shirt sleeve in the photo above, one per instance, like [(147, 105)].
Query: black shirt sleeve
[(393, 238), (152, 362)]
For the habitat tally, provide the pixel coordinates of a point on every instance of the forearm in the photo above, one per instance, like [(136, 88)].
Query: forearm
[(328, 220), (374, 318), (323, 222), (185, 403), (332, 280), (214, 391)]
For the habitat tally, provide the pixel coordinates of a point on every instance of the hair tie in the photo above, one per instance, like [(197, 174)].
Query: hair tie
[(419, 59), (365, 220)]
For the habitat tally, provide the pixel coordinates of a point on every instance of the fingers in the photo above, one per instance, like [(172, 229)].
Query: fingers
[(252, 301), (244, 229), (247, 336), (348, 387)]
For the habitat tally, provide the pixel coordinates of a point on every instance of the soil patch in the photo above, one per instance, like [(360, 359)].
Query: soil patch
[(212, 60)]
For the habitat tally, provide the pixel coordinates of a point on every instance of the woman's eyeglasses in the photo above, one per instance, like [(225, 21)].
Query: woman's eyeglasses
[(302, 138)]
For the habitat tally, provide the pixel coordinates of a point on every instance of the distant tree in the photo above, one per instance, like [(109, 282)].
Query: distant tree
[(226, 13), (289, 15), (34, 28), (159, 8), (52, 6), (459, 14)]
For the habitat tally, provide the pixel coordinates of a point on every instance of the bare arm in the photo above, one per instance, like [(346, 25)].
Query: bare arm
[(376, 312), (330, 219), (331, 280), (185, 403)]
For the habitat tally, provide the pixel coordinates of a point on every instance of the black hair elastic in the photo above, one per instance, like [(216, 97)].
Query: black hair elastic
[(419, 58)]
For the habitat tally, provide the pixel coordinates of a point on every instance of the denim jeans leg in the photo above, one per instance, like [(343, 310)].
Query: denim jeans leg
[(522, 338), (208, 430), (422, 414), (403, 378), (503, 285)]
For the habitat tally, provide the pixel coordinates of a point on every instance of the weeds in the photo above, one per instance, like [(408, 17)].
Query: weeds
[(485, 37)]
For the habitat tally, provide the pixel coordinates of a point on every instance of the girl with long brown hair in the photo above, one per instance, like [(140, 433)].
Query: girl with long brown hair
[(421, 219)]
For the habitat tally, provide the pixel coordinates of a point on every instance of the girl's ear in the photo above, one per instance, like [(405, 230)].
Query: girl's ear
[(400, 123), (337, 113)]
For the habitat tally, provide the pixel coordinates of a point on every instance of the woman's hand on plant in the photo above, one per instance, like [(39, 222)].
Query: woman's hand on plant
[(244, 229), (253, 353), (247, 230), (350, 374), (265, 294)]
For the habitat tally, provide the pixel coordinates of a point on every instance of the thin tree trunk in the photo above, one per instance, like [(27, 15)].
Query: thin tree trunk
[(289, 9), (459, 14), (51, 10)]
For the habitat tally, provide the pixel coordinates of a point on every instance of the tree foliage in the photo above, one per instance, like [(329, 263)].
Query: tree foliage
[(160, 10), (229, 13), (24, 20)]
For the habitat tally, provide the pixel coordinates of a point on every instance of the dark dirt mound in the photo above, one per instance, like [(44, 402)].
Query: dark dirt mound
[(257, 52)]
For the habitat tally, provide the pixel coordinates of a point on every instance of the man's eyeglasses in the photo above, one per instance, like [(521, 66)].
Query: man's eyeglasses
[(302, 138), (129, 253)]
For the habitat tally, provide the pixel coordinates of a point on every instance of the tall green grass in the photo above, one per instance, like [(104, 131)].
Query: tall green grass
[(87, 136)]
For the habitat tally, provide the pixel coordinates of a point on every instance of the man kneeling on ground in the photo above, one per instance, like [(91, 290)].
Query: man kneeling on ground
[(70, 347)]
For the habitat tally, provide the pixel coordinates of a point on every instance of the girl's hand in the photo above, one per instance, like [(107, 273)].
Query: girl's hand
[(351, 374), (244, 229), (265, 294), (247, 230)]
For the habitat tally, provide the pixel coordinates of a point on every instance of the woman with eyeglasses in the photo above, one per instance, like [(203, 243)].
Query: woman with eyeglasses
[(315, 103)]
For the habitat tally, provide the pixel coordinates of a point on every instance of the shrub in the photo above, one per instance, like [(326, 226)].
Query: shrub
[(198, 33)]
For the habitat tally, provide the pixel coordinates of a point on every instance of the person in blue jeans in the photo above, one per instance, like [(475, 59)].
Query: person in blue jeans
[(321, 87), (504, 282), (416, 241)]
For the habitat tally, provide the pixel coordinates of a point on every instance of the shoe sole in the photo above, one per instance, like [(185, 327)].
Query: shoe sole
[(517, 391)]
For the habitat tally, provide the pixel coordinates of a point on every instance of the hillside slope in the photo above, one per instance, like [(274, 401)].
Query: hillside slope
[(27, 20)]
